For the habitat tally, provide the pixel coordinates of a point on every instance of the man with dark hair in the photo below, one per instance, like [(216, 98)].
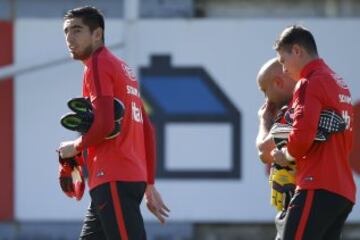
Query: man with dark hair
[(297, 35), (90, 16), (121, 170), (325, 188)]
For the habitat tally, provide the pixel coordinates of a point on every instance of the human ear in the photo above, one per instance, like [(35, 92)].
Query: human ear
[(279, 82), (296, 49), (98, 34)]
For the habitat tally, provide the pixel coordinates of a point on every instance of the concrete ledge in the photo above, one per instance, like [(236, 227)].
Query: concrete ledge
[(67, 230), (254, 231)]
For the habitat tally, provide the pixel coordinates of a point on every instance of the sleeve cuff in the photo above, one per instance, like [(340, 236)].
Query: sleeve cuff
[(79, 144), (151, 181)]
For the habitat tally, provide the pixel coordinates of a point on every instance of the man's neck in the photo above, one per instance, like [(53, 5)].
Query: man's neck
[(307, 59), (96, 47)]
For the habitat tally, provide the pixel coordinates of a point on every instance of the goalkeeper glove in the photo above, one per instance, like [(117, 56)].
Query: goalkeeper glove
[(83, 117), (83, 105), (282, 183), (329, 122), (71, 177)]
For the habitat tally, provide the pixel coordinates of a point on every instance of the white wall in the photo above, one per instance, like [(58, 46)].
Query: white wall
[(231, 51)]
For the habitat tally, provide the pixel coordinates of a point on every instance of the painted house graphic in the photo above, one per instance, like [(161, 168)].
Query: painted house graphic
[(197, 126)]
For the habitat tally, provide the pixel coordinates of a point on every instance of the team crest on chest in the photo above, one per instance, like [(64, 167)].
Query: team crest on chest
[(340, 81), (129, 72)]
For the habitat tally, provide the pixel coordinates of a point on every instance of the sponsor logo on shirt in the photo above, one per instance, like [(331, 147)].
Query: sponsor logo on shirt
[(136, 113), (132, 91), (347, 119), (344, 98)]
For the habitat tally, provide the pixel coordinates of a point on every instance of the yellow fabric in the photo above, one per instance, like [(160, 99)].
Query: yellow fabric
[(283, 179)]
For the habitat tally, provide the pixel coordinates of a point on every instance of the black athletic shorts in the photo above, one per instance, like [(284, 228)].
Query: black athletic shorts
[(316, 215), (114, 212)]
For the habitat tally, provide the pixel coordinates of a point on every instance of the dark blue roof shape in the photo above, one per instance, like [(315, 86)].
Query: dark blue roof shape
[(182, 95), (183, 91)]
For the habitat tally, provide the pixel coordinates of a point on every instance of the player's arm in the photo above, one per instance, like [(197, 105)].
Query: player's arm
[(103, 108), (307, 100), (264, 149), (101, 91), (264, 143), (153, 198), (150, 147)]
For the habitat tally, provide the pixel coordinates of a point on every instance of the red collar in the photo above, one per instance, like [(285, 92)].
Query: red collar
[(311, 66), (96, 52)]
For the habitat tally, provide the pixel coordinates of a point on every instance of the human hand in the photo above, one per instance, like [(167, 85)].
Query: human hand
[(155, 204), (67, 149), (71, 177), (279, 157), (267, 112)]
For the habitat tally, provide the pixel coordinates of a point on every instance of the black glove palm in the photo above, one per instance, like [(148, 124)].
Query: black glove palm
[(83, 116)]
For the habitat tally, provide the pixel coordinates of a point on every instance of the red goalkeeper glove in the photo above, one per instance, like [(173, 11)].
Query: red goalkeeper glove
[(71, 177)]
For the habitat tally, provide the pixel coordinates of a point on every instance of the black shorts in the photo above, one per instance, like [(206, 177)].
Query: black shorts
[(114, 212), (316, 214)]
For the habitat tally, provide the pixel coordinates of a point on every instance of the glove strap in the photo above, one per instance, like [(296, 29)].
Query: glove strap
[(77, 160)]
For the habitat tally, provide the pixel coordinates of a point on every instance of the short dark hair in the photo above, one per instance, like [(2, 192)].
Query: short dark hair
[(91, 17), (296, 34)]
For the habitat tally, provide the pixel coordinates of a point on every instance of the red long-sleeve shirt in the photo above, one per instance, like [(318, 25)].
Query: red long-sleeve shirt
[(131, 155), (103, 123), (322, 165)]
